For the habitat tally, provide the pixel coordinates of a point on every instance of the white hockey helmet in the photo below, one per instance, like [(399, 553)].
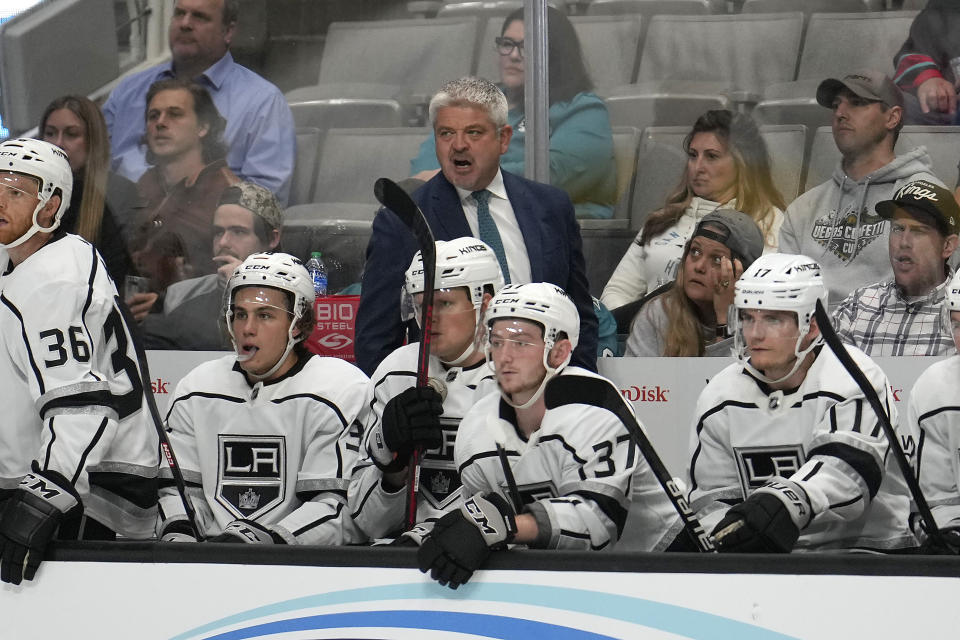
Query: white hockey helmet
[(545, 304), (951, 302), (49, 165), (276, 271), (779, 282)]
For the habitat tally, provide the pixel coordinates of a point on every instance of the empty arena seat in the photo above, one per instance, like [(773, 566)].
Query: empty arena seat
[(653, 7), (835, 44), (305, 167), (351, 160), (942, 143), (811, 6)]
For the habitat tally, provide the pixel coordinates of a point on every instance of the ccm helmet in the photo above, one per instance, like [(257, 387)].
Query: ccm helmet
[(780, 282), (462, 262), (276, 271), (545, 304), (48, 164)]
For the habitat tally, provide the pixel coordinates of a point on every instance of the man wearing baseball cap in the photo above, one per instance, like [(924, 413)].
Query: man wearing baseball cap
[(835, 222), (248, 220), (901, 316)]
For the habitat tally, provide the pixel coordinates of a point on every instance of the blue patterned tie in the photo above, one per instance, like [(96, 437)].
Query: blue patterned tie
[(488, 231)]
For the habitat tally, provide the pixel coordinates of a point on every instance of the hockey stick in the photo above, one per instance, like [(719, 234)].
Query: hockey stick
[(830, 337), (512, 488), (607, 396), (393, 197), (158, 422)]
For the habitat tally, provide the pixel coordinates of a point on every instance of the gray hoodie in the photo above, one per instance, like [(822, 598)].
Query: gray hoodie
[(835, 223)]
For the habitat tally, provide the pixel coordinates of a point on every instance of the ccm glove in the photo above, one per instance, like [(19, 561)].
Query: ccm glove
[(410, 419), (249, 532), (769, 521), (461, 540), (177, 530), (415, 536), (30, 520)]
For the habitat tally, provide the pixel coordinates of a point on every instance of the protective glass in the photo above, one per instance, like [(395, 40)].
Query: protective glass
[(411, 306), (14, 186)]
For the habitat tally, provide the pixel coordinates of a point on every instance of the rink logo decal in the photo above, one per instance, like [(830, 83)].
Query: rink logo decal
[(757, 465), (251, 474)]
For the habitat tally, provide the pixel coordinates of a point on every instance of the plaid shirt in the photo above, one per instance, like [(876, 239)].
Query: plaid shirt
[(880, 322)]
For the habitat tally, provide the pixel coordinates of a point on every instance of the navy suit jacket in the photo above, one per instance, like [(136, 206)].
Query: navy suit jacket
[(551, 235)]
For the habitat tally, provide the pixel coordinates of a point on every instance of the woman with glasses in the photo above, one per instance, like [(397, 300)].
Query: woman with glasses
[(581, 143)]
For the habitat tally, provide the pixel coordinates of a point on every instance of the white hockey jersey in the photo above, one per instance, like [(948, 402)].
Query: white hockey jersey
[(380, 513), (823, 436), (71, 391), (280, 452), (934, 409), (578, 473)]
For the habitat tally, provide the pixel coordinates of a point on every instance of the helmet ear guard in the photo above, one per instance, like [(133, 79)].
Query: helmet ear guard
[(49, 165), (275, 271), (779, 282)]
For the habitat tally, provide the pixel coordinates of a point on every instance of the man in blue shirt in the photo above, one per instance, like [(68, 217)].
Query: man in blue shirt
[(260, 130)]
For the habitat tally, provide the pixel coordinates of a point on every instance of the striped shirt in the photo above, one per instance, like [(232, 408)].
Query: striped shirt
[(881, 322)]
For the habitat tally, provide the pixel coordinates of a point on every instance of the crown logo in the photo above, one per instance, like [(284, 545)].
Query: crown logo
[(249, 499), (440, 483)]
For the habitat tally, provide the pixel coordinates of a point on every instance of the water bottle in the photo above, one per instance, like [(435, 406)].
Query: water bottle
[(318, 273)]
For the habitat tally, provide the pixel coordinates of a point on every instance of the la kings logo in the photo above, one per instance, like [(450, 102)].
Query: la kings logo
[(757, 465), (439, 481), (844, 238), (251, 474)]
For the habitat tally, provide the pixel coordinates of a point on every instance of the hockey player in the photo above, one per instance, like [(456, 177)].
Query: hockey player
[(266, 438), (573, 461), (785, 435), (78, 453), (934, 411), (404, 416)]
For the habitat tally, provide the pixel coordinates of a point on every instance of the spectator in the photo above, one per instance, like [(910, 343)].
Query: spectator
[(530, 226), (581, 142), (727, 167), (259, 130), (835, 221), (248, 220), (785, 451), (102, 201), (267, 437), (923, 68), (179, 193), (901, 316), (933, 412), (690, 318)]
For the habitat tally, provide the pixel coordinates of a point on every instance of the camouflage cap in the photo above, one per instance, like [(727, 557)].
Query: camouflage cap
[(256, 199)]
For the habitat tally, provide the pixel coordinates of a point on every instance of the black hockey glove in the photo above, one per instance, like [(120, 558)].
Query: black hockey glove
[(932, 546), (461, 541), (177, 530), (410, 419), (249, 532), (769, 521), (30, 519)]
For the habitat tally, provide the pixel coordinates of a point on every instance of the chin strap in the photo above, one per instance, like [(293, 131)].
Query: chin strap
[(34, 228)]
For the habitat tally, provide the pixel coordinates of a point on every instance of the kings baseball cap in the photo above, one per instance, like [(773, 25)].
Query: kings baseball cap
[(735, 230), (928, 199), (869, 84)]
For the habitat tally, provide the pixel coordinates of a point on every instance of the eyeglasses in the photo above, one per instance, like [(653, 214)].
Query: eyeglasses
[(505, 46)]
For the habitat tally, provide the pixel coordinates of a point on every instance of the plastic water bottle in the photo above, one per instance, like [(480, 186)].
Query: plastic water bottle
[(318, 273)]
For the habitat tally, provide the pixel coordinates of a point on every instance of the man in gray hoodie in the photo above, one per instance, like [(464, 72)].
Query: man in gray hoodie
[(835, 222)]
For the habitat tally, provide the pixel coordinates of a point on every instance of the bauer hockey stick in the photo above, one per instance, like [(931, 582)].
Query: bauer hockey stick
[(393, 197), (168, 454), (830, 337), (605, 395)]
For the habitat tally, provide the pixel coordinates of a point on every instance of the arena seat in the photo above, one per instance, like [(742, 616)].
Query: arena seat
[(811, 6), (626, 149), (305, 166), (835, 44), (693, 63), (648, 8), (942, 143), (343, 241), (351, 160), (400, 60)]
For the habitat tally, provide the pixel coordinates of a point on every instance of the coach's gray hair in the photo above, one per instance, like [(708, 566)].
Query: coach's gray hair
[(471, 92)]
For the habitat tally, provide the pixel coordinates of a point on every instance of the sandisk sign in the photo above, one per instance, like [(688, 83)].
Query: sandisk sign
[(334, 328)]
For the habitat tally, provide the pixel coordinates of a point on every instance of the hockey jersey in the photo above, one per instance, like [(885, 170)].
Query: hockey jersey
[(822, 435), (579, 473), (934, 409), (71, 390), (379, 512), (279, 452)]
